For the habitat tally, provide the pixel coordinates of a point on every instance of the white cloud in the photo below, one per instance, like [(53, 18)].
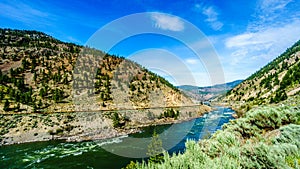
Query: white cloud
[(262, 45), (192, 61), (269, 6), (268, 35), (167, 22), (270, 13), (24, 13), (74, 40), (256, 41), (212, 16), (240, 40), (273, 27)]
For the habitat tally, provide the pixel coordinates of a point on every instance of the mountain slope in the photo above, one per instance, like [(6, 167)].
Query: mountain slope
[(39, 73), (50, 89), (273, 83)]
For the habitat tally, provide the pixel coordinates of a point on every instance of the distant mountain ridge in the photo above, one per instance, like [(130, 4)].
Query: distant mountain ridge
[(208, 92)]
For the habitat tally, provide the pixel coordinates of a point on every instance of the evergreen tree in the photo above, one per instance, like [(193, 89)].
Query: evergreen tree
[(6, 105), (17, 107), (116, 120), (40, 104), (34, 77), (1, 76), (34, 108), (1, 95), (155, 149)]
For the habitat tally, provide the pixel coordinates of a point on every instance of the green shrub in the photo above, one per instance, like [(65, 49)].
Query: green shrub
[(243, 143), (170, 113), (131, 165), (116, 120)]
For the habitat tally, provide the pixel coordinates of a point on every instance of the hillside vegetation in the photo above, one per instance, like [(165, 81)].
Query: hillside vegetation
[(37, 75), (51, 89), (273, 83), (267, 133), (267, 137)]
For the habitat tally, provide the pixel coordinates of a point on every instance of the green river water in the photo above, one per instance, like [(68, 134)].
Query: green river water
[(110, 153)]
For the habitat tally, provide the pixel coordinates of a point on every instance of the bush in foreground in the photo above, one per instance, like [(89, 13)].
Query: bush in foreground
[(265, 138)]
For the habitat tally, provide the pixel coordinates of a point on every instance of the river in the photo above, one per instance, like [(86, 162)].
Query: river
[(111, 153)]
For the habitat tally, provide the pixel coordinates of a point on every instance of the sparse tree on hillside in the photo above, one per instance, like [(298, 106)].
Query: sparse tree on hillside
[(1, 95), (6, 105), (17, 107), (116, 120)]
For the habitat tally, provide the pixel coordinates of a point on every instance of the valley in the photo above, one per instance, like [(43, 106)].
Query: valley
[(266, 131), (52, 90), (208, 93), (150, 84)]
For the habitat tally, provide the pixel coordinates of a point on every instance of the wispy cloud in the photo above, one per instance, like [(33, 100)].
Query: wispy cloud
[(270, 13), (273, 5), (24, 13), (263, 45), (272, 28), (211, 16), (167, 22), (268, 34), (74, 40), (246, 39)]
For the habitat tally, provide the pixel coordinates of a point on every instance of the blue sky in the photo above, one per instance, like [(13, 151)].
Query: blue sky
[(246, 35)]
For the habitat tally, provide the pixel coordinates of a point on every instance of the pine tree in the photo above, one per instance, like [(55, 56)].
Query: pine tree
[(155, 149), (34, 108), (17, 107), (40, 104), (6, 106), (1, 95), (34, 77), (116, 120)]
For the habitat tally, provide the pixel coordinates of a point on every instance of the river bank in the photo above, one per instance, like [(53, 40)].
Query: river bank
[(17, 129), (95, 154)]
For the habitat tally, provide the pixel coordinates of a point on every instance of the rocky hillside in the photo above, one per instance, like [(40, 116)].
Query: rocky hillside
[(56, 90), (40, 73), (273, 83)]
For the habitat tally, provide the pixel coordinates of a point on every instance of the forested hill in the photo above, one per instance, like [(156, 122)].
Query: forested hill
[(273, 83), (37, 75)]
